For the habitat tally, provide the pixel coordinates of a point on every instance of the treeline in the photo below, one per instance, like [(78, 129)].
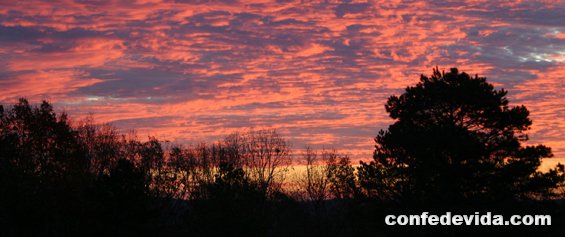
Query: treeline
[(455, 146), (59, 178)]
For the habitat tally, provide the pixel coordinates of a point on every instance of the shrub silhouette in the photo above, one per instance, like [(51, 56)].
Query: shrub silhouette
[(234, 203), (456, 138)]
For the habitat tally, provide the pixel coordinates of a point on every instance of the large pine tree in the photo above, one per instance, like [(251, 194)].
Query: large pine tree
[(456, 138)]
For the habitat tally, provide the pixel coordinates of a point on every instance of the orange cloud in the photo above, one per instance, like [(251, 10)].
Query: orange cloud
[(320, 71)]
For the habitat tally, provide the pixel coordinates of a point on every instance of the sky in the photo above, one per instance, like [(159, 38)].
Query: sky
[(318, 71)]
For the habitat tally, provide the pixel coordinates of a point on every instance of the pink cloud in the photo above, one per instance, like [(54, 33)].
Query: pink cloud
[(319, 71)]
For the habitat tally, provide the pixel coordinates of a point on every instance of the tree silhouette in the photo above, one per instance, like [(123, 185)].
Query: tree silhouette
[(456, 138), (340, 175), (315, 182), (58, 180), (42, 164)]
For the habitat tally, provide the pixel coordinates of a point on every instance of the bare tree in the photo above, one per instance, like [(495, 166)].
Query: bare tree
[(341, 175), (102, 142), (266, 157), (315, 181)]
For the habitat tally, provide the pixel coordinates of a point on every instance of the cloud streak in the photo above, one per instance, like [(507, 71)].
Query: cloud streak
[(319, 71)]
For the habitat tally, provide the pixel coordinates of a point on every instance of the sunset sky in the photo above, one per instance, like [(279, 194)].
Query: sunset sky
[(318, 71)]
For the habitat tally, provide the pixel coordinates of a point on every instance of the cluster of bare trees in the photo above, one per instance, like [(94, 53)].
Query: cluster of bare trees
[(261, 157), (327, 175), (185, 172), (182, 171)]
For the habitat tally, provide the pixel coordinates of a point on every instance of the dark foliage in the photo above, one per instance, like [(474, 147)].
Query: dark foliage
[(46, 184), (455, 139)]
